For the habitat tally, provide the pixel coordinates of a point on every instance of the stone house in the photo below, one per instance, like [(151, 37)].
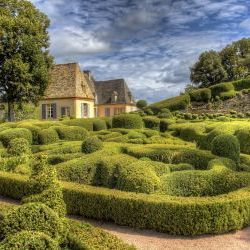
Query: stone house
[(75, 93)]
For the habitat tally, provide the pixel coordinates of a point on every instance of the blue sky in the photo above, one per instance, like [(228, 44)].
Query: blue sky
[(150, 43)]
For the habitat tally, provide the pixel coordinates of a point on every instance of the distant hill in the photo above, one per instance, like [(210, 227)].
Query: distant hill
[(221, 97)]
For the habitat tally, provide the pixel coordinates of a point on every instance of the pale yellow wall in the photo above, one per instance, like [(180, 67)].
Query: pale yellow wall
[(101, 109), (74, 104), (78, 108)]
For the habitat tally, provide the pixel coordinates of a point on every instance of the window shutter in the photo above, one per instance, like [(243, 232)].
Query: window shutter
[(43, 111), (63, 111), (53, 110)]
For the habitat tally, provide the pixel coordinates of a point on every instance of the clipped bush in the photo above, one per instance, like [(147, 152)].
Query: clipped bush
[(47, 136), (7, 135), (130, 121), (135, 135), (33, 129), (165, 123), (108, 121), (180, 167), (241, 84), (29, 240), (201, 95), (32, 217), (71, 133), (149, 133), (226, 146), (227, 95), (91, 144), (19, 147), (151, 122), (99, 124), (165, 113), (86, 123), (243, 136), (221, 88)]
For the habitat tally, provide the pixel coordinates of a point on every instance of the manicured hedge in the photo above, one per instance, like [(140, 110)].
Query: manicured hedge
[(165, 123), (201, 95), (7, 135), (221, 88), (99, 124), (243, 136), (175, 215), (71, 133), (86, 123), (129, 121), (47, 136), (34, 130), (91, 144), (241, 84), (151, 122)]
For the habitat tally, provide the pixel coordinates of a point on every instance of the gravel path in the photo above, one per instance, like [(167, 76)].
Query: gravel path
[(151, 240)]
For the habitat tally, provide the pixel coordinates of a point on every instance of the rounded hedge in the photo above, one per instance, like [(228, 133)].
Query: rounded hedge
[(18, 147), (91, 144), (226, 146), (151, 122), (165, 123), (47, 136), (71, 133), (99, 124), (29, 240), (32, 217), (34, 130), (135, 135), (130, 121), (243, 136), (7, 135)]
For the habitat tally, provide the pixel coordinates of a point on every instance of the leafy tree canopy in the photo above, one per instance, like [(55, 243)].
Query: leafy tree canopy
[(141, 104), (24, 56)]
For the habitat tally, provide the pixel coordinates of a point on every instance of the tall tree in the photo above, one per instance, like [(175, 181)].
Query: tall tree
[(24, 56), (208, 70), (236, 59)]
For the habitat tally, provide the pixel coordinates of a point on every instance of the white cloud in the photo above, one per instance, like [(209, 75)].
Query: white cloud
[(71, 41), (245, 24)]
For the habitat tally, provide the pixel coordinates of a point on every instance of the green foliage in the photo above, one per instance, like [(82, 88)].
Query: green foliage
[(91, 144), (141, 104), (29, 240), (80, 122), (201, 95), (32, 217), (226, 146), (25, 59), (99, 124), (137, 178), (108, 121), (47, 136), (241, 84), (135, 135), (165, 113), (208, 70), (180, 167), (165, 123), (129, 121), (71, 133), (7, 135), (222, 88), (175, 103), (19, 147), (151, 122), (243, 136), (33, 129)]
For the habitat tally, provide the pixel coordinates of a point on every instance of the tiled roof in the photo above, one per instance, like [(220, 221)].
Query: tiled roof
[(117, 87)]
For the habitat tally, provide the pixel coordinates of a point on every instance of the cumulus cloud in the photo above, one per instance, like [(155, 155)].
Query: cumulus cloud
[(150, 43)]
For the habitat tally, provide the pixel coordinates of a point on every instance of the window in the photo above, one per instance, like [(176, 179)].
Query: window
[(107, 111), (49, 111), (85, 110), (118, 111), (65, 111)]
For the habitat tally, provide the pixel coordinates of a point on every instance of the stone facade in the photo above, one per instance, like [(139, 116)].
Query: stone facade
[(75, 93)]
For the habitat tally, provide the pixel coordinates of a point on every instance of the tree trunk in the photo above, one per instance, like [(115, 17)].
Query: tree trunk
[(10, 112)]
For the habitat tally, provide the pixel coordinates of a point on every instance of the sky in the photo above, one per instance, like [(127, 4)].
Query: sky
[(150, 43)]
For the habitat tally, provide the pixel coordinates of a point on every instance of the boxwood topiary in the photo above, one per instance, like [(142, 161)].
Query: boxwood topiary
[(91, 144), (19, 147), (151, 122), (226, 146), (7, 135), (71, 133), (130, 121), (29, 240), (99, 124), (47, 136), (135, 135), (243, 136)]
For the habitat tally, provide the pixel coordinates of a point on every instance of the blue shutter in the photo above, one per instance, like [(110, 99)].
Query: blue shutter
[(53, 110), (43, 111)]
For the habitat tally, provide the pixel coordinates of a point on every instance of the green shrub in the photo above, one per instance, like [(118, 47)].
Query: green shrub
[(7, 135), (71, 133), (221, 88), (47, 136), (19, 147), (180, 167), (29, 240), (91, 144), (188, 116), (165, 123), (226, 146), (149, 133), (243, 136), (135, 178), (151, 122), (165, 113), (227, 95), (129, 121), (108, 121), (184, 216), (201, 95), (33, 129), (135, 135), (241, 84), (80, 122), (32, 217), (176, 103), (99, 124)]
